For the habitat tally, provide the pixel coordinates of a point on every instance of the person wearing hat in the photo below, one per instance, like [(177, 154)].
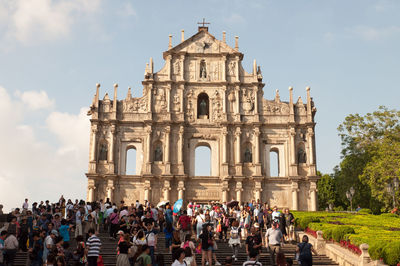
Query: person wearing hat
[(253, 242), (49, 243), (273, 240)]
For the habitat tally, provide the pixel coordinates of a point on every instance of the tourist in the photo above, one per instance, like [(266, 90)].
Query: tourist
[(273, 240), (234, 239), (276, 215), (36, 250), (188, 243), (200, 219), (180, 256), (144, 258), (87, 225), (23, 234), (48, 244), (93, 245), (3, 236), (10, 248), (184, 222), (206, 245), (151, 238), (168, 230), (64, 230), (78, 221), (253, 242), (123, 250), (304, 251), (289, 222), (189, 259), (253, 259), (176, 244), (25, 205), (114, 223), (168, 214)]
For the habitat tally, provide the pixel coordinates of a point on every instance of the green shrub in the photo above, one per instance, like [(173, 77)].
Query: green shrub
[(376, 250), (338, 209), (304, 221), (328, 234), (339, 232), (365, 211), (390, 215), (391, 253)]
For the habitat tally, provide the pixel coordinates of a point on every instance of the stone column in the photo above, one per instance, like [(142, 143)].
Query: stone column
[(365, 258), (310, 134), (256, 145), (182, 74), (295, 200), (239, 189), (147, 188), (168, 98), (167, 130), (237, 102), (237, 78), (148, 150), (181, 189), (257, 190), (91, 188), (93, 143), (238, 132), (111, 150), (313, 196), (256, 101), (149, 97), (166, 189), (224, 134), (224, 68), (292, 148), (169, 65)]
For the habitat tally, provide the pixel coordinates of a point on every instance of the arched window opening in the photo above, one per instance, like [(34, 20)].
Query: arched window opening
[(203, 106), (103, 151), (274, 163), (202, 160), (131, 161), (248, 154)]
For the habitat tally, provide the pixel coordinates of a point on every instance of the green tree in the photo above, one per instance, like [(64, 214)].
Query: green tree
[(326, 191), (370, 157)]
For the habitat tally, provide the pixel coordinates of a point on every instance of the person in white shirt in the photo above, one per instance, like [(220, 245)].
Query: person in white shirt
[(180, 254), (25, 205)]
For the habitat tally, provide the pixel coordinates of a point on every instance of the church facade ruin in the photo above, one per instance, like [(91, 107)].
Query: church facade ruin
[(203, 97)]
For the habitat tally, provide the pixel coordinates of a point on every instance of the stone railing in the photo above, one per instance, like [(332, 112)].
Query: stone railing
[(340, 255)]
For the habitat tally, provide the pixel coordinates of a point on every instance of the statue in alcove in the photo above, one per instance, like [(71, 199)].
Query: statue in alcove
[(203, 107), (158, 154), (301, 156), (203, 71), (103, 152), (248, 157)]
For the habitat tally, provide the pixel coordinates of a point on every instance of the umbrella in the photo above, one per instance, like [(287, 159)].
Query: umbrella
[(178, 205), (232, 203), (162, 203)]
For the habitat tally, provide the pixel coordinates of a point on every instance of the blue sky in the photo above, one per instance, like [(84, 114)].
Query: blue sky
[(53, 52)]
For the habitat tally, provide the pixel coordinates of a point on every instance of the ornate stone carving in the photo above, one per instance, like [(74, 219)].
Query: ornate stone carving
[(301, 155), (300, 108), (160, 103), (231, 100), (232, 68), (214, 73), (247, 101), (192, 70), (176, 107), (217, 107), (177, 67), (103, 152)]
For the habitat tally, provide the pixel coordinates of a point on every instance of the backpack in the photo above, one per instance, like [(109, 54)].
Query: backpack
[(305, 251), (186, 244), (139, 261)]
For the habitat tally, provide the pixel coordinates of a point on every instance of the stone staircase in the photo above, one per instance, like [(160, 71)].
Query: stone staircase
[(108, 252)]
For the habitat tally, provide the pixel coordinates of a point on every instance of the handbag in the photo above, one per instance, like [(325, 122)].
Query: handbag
[(198, 249)]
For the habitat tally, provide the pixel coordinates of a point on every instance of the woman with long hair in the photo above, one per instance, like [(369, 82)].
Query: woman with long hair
[(206, 245), (200, 218), (305, 250), (123, 251), (176, 244)]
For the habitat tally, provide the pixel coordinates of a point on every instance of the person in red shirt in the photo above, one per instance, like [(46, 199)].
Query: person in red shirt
[(184, 222)]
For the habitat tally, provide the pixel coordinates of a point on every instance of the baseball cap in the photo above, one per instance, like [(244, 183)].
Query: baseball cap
[(256, 225), (54, 232), (120, 232)]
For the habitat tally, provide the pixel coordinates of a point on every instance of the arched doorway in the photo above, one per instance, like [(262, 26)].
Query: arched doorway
[(202, 159), (274, 163)]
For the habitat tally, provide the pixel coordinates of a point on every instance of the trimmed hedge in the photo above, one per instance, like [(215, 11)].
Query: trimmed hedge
[(380, 232)]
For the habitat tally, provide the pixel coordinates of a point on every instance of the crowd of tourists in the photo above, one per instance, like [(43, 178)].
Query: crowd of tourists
[(66, 233)]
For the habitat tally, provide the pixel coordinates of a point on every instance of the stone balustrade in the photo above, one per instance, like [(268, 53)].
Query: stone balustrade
[(340, 255)]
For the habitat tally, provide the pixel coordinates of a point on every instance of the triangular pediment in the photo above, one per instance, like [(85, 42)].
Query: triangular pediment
[(202, 42)]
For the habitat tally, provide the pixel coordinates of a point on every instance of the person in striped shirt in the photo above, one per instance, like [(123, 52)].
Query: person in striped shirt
[(93, 246)]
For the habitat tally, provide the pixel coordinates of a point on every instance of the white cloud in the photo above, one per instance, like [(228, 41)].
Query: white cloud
[(35, 100), (34, 20), (375, 34), (34, 166)]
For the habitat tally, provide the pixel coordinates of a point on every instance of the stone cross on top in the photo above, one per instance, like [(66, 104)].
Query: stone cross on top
[(203, 25)]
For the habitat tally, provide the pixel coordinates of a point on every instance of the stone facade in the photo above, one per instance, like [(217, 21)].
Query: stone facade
[(203, 97)]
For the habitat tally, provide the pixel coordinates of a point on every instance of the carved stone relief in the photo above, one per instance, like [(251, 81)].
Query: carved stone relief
[(177, 66), (217, 107), (160, 103), (247, 100), (135, 105), (232, 68), (300, 108)]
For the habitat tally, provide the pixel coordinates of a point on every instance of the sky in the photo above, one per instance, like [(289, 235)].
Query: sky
[(53, 52)]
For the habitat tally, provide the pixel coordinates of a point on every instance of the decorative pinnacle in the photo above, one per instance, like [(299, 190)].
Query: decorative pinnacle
[(97, 85), (170, 41)]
